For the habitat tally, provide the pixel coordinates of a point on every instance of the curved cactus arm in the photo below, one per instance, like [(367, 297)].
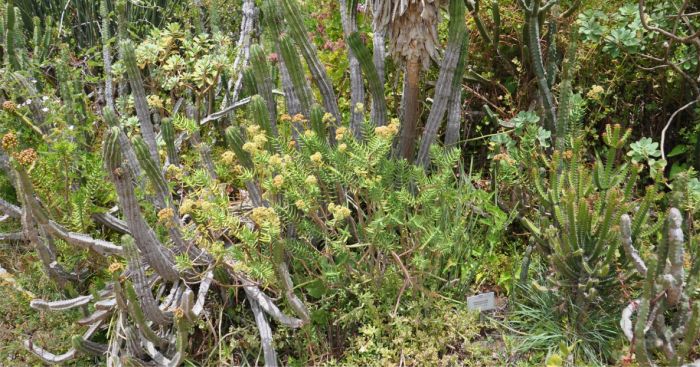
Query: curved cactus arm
[(98, 315), (10, 209), (630, 250), (88, 347), (449, 72), (265, 332), (626, 319), (111, 222), (157, 356), (294, 302), (691, 335), (13, 236), (294, 19), (140, 101), (157, 256), (51, 358), (62, 305), (225, 111), (267, 304), (104, 248), (136, 312)]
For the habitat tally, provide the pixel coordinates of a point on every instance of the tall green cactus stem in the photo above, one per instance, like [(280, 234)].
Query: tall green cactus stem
[(259, 115), (294, 18), (348, 16), (263, 81), (11, 37), (457, 38), (141, 286), (533, 11), (139, 93), (107, 54), (152, 171), (564, 126), (376, 88), (667, 294), (317, 124), (296, 73), (157, 256), (168, 132)]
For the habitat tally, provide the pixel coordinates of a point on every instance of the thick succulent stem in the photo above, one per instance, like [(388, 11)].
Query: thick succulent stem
[(296, 74), (348, 15), (168, 132), (141, 287), (411, 113), (263, 83), (449, 72), (160, 258)]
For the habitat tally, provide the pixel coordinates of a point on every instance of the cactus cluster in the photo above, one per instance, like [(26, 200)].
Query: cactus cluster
[(575, 230), (668, 314)]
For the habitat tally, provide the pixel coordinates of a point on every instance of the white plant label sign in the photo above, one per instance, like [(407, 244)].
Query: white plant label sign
[(482, 302)]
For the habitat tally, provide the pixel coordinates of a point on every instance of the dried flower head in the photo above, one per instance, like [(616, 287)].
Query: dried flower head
[(311, 180), (26, 157), (228, 157), (316, 158), (340, 133), (9, 106), (9, 141), (166, 217), (278, 181), (342, 147), (115, 267)]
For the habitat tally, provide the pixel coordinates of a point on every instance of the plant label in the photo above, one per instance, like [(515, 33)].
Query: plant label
[(482, 302)]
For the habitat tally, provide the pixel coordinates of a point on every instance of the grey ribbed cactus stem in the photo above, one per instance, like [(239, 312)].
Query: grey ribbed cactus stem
[(294, 19), (141, 286), (316, 120), (348, 16), (157, 256), (137, 315), (107, 54), (376, 87), (139, 93), (263, 82), (449, 72)]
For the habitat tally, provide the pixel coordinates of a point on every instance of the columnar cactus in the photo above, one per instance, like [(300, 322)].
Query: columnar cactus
[(376, 88), (140, 101), (668, 317)]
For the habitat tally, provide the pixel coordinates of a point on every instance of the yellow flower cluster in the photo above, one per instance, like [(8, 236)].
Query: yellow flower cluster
[(115, 267), (328, 118), (316, 158), (504, 157), (595, 92), (278, 181), (263, 215), (309, 134), (285, 117), (339, 212), (301, 205), (165, 217), (298, 118), (342, 147), (388, 131), (311, 180), (187, 206), (340, 133), (154, 101), (173, 172), (228, 157), (9, 141), (359, 108)]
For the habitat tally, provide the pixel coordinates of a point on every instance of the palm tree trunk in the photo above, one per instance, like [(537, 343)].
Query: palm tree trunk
[(407, 142)]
